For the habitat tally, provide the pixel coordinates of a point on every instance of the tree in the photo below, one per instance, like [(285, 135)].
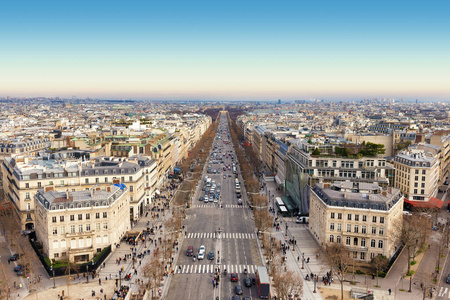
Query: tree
[(414, 234), (152, 271), (316, 152), (378, 263), (338, 257), (288, 285)]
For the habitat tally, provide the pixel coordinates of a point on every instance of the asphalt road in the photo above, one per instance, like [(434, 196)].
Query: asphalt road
[(228, 231)]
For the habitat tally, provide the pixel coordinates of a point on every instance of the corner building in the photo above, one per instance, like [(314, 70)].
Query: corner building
[(362, 216)]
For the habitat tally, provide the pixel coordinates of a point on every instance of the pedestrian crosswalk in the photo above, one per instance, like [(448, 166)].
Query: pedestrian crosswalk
[(199, 268), (444, 292), (223, 235), (209, 205)]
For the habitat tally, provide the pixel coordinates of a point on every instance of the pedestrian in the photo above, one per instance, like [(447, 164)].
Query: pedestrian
[(99, 281), (389, 290), (298, 258)]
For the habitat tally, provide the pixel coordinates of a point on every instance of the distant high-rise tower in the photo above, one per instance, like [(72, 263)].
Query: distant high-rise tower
[(279, 101)]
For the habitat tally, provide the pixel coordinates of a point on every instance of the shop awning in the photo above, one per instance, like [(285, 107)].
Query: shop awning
[(432, 203)]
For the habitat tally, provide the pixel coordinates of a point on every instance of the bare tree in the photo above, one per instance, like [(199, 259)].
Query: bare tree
[(414, 234), (426, 286), (152, 271), (288, 285), (338, 257), (378, 263)]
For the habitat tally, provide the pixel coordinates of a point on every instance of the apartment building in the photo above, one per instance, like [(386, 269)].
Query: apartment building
[(417, 174), (75, 226), (362, 216), (24, 176), (304, 169)]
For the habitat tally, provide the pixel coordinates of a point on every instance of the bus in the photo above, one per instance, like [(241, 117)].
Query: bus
[(262, 282)]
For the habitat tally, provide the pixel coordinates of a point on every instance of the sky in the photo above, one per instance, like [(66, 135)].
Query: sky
[(225, 50)]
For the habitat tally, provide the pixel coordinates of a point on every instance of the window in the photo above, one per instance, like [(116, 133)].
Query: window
[(72, 217), (380, 244), (347, 241), (422, 192), (382, 220), (372, 243), (356, 229), (63, 230), (105, 214), (374, 230), (61, 218), (88, 216), (86, 180), (88, 227), (53, 219), (331, 238), (332, 215), (97, 226), (80, 216), (349, 217), (27, 196), (55, 255), (97, 215), (423, 172), (349, 228), (339, 226), (415, 191), (331, 226), (105, 225), (416, 178), (27, 185), (355, 241), (416, 172), (374, 219), (131, 178), (423, 178), (422, 185), (55, 230), (363, 256), (72, 228), (62, 182), (338, 239), (80, 228), (364, 218), (339, 216), (39, 184), (97, 180), (106, 179), (363, 229), (356, 217), (381, 231), (363, 242), (131, 188), (416, 184), (372, 255)]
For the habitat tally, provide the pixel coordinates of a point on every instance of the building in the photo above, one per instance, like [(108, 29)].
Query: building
[(75, 226), (24, 176), (304, 169), (416, 174), (362, 216)]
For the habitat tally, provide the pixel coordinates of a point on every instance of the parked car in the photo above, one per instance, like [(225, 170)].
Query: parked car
[(18, 268), (448, 279), (201, 198), (201, 255), (14, 257)]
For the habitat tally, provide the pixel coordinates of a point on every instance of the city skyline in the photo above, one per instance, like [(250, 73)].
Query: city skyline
[(232, 51)]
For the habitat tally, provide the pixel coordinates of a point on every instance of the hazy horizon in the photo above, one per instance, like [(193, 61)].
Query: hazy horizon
[(251, 50)]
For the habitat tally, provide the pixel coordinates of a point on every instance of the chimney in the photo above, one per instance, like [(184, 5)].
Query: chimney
[(49, 188), (384, 193), (326, 185), (98, 188), (108, 189), (67, 194), (116, 181), (390, 190)]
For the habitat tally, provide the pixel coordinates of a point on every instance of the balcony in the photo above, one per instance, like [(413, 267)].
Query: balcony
[(80, 234)]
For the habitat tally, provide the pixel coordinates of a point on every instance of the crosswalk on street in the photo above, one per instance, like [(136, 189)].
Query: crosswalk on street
[(209, 205), (198, 268), (213, 235), (444, 292)]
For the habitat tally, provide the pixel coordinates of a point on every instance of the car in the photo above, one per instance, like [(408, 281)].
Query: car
[(446, 183), (201, 198), (211, 255), (304, 220), (234, 277), (239, 201), (18, 268), (202, 249), (238, 289), (448, 279), (235, 298), (206, 199), (201, 255), (190, 251), (14, 257), (224, 175), (247, 282), (247, 298)]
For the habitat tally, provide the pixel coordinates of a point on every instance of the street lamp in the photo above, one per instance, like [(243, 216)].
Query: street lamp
[(303, 261), (315, 283), (53, 271)]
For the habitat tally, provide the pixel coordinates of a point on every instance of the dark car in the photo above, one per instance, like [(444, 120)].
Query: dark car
[(448, 279), (247, 282), (238, 290), (211, 255), (246, 298), (201, 198), (190, 251), (14, 257), (446, 183), (234, 277), (18, 268)]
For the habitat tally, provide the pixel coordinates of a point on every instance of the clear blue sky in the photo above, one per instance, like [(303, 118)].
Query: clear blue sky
[(225, 49)]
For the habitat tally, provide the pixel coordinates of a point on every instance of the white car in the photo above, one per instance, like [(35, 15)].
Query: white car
[(201, 255), (206, 199), (202, 249)]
